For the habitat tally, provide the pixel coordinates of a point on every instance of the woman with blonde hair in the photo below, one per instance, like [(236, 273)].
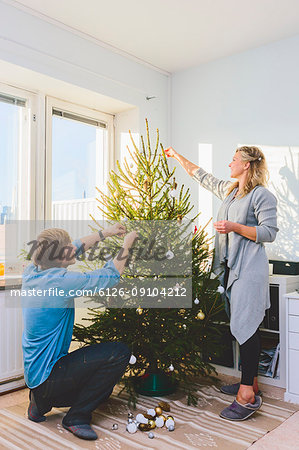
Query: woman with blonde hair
[(247, 218)]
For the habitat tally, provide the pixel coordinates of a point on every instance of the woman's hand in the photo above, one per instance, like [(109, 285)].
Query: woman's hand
[(224, 226), (118, 229), (170, 152)]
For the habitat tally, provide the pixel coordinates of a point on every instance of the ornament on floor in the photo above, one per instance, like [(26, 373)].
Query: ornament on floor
[(144, 427), (164, 405), (158, 410), (220, 289), (151, 412), (133, 359), (114, 426), (152, 424), (169, 422), (200, 315), (141, 419), (151, 435), (154, 418), (169, 254), (132, 428), (160, 420), (196, 301)]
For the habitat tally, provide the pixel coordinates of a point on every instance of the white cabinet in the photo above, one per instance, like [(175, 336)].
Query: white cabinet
[(292, 347), (279, 286)]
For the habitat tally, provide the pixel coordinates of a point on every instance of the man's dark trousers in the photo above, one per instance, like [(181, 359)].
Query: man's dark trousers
[(83, 379)]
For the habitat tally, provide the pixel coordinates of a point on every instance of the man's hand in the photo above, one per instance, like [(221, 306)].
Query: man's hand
[(130, 239), (118, 229), (170, 152), (224, 226)]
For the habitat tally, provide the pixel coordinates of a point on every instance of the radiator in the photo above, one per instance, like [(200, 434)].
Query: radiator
[(11, 360)]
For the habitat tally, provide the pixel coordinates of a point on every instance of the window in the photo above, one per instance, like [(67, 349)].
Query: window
[(17, 138), (78, 158), (283, 163)]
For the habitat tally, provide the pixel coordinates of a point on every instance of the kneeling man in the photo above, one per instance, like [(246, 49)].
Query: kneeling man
[(84, 378)]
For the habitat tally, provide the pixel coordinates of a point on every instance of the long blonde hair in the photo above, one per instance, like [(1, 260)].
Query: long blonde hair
[(258, 173)]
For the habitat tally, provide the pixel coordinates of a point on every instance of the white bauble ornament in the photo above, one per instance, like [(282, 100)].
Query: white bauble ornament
[(196, 301), (151, 412), (115, 426), (141, 419), (220, 289), (173, 193), (132, 359), (169, 422), (171, 368), (159, 422), (151, 435), (169, 254), (132, 427), (184, 326)]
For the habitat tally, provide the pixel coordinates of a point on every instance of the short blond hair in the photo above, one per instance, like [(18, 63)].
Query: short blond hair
[(49, 247)]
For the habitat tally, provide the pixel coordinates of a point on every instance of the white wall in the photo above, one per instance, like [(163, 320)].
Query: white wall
[(248, 98), (50, 50)]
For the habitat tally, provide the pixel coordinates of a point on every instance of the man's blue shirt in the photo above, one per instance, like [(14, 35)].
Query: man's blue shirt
[(49, 320)]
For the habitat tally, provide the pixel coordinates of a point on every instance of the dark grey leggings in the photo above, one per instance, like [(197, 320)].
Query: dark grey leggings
[(250, 352)]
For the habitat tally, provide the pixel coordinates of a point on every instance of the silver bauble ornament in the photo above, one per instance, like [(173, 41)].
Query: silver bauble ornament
[(132, 359), (169, 254), (132, 427)]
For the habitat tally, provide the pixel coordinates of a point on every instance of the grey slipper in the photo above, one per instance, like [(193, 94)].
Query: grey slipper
[(232, 389), (237, 412), (82, 431)]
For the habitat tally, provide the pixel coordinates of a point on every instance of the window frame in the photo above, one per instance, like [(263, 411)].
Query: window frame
[(26, 157), (109, 157)]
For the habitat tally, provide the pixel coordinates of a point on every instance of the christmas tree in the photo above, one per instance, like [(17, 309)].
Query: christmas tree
[(177, 342)]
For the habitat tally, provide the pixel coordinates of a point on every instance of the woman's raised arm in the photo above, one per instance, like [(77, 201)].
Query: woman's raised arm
[(185, 163)]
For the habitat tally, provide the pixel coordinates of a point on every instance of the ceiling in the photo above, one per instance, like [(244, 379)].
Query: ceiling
[(173, 35)]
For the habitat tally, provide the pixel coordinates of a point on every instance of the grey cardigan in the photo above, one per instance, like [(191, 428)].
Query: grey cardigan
[(248, 282)]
